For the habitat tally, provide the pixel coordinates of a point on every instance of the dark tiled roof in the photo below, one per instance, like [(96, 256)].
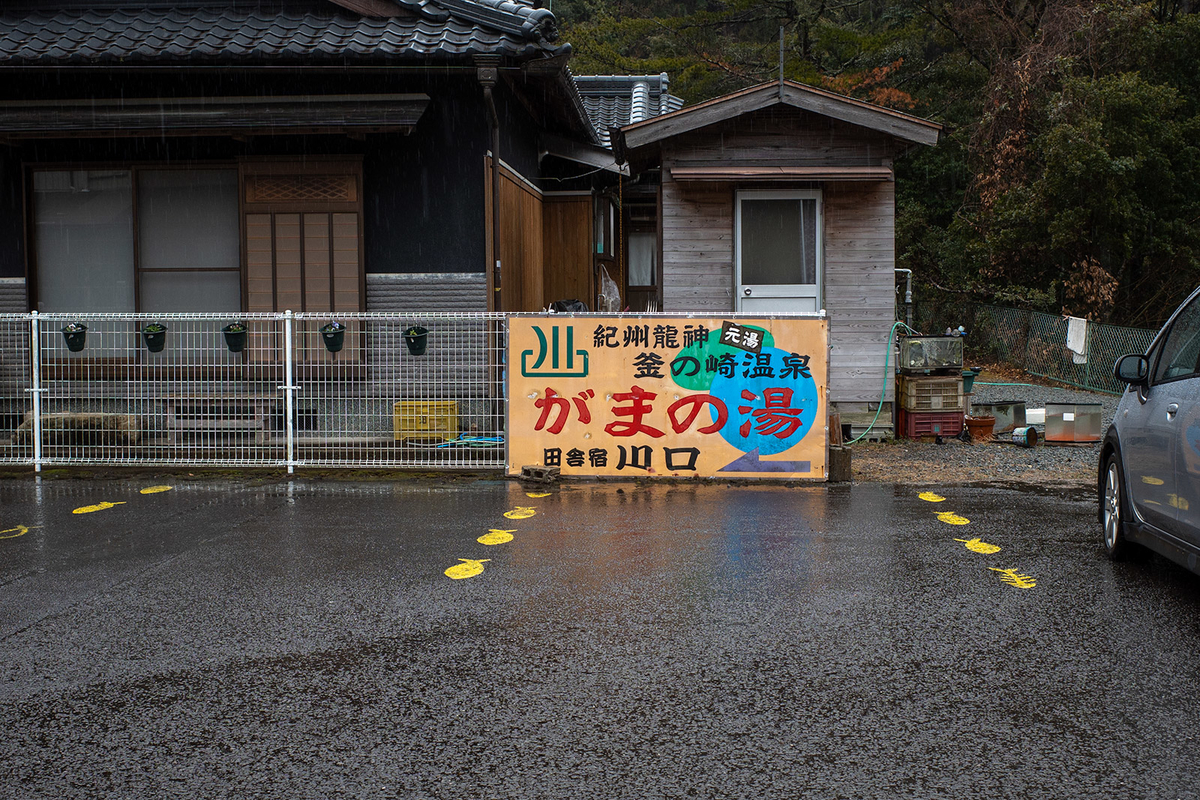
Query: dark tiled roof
[(615, 100), (428, 30)]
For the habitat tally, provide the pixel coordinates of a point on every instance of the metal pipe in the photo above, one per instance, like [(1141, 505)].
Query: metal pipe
[(907, 295), (290, 387), (488, 75), (36, 391)]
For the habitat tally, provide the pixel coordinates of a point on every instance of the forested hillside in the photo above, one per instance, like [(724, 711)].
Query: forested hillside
[(1069, 180)]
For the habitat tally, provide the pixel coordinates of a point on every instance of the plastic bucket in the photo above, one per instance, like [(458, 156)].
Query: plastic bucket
[(333, 338), (77, 338), (416, 338), (235, 340), (156, 340)]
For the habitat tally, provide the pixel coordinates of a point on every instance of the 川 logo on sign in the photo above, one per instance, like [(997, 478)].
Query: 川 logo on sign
[(565, 360)]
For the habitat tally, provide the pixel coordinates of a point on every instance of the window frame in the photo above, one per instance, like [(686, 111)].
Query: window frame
[(808, 193), (122, 368), (1161, 347), (134, 168)]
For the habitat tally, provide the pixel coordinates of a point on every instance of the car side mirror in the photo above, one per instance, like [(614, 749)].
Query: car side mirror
[(1133, 369)]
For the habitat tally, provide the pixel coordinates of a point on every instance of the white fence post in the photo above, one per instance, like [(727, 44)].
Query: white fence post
[(290, 403), (506, 428), (35, 349)]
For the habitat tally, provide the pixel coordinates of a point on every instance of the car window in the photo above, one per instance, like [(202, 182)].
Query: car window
[(1181, 348)]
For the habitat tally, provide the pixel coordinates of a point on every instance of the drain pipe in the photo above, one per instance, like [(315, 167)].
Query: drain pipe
[(488, 73), (907, 296)]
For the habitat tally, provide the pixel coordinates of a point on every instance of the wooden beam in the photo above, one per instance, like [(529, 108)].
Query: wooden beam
[(690, 119), (877, 118), (581, 153), (747, 173)]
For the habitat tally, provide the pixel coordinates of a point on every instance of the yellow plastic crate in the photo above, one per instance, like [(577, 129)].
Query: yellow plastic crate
[(425, 419)]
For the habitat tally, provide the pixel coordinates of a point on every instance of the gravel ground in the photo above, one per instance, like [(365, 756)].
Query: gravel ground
[(954, 461)]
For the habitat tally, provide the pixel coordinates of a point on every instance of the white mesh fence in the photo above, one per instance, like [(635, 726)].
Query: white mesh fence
[(337, 390)]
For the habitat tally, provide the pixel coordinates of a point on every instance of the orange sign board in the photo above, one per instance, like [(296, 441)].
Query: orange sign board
[(669, 396)]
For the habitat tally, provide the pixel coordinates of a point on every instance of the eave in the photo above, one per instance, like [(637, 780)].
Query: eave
[(818, 101), (188, 116)]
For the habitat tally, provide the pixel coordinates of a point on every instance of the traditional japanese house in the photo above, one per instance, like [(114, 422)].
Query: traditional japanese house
[(778, 198), (239, 156)]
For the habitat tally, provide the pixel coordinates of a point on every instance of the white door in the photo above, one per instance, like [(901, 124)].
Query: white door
[(778, 252)]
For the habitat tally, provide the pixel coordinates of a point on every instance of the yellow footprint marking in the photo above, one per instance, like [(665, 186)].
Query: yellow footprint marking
[(931, 497), (494, 536), (12, 533), (468, 569), (156, 489), (976, 546), (950, 518), (536, 495), (1014, 578), (97, 507), (1152, 480), (520, 512)]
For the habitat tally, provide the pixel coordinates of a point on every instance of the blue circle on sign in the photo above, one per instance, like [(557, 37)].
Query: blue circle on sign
[(773, 405)]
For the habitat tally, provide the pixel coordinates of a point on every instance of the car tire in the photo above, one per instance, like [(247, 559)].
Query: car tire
[(1114, 510)]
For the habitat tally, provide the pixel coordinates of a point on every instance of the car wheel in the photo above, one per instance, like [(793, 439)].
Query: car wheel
[(1113, 509)]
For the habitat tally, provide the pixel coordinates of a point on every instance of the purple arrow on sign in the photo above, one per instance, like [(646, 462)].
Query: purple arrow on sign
[(750, 462)]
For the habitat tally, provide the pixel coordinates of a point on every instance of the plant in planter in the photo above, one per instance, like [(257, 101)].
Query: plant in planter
[(334, 336), (235, 336), (416, 338), (76, 335), (155, 335)]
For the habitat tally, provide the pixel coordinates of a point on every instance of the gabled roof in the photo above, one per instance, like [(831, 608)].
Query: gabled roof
[(225, 32), (615, 100), (797, 95)]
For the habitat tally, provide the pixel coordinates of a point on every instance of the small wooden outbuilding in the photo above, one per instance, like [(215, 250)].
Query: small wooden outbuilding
[(778, 198)]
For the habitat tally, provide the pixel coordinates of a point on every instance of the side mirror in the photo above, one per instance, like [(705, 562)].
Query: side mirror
[(1132, 369)]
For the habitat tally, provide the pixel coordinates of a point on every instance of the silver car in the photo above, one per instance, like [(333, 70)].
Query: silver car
[(1149, 478)]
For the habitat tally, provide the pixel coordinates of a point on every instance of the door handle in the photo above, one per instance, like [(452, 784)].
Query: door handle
[(746, 291), (1172, 410)]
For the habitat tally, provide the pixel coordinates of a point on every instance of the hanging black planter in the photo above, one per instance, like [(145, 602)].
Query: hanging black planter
[(334, 336), (155, 335), (416, 338), (76, 335), (235, 336)]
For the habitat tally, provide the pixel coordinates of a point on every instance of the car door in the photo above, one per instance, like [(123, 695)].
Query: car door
[(1156, 428), (1187, 463)]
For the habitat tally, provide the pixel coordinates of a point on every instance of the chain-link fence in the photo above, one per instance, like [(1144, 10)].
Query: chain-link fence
[(1037, 343)]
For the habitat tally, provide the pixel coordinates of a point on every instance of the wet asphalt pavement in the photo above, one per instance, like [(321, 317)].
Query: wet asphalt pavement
[(243, 639)]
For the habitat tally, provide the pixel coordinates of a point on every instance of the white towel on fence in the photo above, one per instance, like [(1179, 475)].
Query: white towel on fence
[(1077, 339)]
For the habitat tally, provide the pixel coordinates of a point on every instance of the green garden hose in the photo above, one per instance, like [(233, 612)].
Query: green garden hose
[(886, 374)]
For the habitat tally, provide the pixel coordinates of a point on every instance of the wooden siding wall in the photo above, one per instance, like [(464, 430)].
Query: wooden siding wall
[(567, 249), (859, 229), (697, 243), (860, 286), (520, 240)]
